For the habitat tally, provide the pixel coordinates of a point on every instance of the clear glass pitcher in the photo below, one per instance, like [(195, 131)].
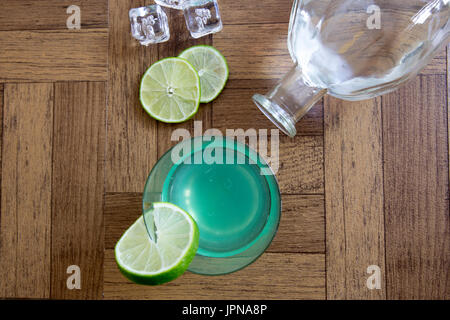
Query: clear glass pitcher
[(353, 50)]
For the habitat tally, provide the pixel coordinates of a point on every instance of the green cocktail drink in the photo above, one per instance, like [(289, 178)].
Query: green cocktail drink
[(229, 191)]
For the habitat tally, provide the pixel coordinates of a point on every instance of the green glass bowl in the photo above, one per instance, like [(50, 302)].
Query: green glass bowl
[(240, 229)]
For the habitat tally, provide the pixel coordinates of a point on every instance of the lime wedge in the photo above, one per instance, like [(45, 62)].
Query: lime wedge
[(170, 90), (212, 68), (155, 261)]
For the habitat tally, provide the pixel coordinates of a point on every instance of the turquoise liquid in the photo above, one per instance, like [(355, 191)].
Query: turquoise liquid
[(230, 202)]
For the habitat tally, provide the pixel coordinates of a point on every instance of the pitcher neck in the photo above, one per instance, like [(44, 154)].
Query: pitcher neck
[(289, 100)]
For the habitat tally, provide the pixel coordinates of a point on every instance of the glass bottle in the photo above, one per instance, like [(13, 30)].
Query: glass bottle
[(353, 50)]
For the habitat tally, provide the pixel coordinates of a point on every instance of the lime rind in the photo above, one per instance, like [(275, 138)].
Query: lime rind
[(184, 81), (215, 70), (147, 262)]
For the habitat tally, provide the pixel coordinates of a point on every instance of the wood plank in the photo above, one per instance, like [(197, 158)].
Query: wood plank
[(121, 210), (302, 226), (51, 14), (234, 109), (254, 84), (272, 276), (201, 121), (53, 55), (1, 138), (180, 40), (416, 182), (132, 136), (354, 197), (301, 165), (249, 53), (438, 65), (251, 84), (26, 191), (78, 185), (246, 12)]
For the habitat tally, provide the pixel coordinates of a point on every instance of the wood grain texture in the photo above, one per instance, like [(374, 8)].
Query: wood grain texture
[(132, 136), (301, 165), (78, 186), (180, 40), (254, 84), (196, 126), (437, 65), (34, 56), (416, 180), (246, 12), (234, 109), (272, 276), (51, 14), (121, 211), (252, 53), (354, 197), (26, 191), (1, 140), (302, 226)]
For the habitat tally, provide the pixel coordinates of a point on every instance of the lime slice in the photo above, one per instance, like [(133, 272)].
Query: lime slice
[(147, 261), (212, 68), (170, 90)]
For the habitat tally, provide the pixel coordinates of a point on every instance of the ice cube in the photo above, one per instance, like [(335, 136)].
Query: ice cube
[(149, 24), (202, 17), (174, 4)]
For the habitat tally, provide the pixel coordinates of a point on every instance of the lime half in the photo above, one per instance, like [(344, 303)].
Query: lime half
[(155, 261), (170, 90), (212, 68)]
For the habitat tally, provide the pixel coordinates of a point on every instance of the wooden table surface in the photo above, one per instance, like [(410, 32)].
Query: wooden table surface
[(363, 183)]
